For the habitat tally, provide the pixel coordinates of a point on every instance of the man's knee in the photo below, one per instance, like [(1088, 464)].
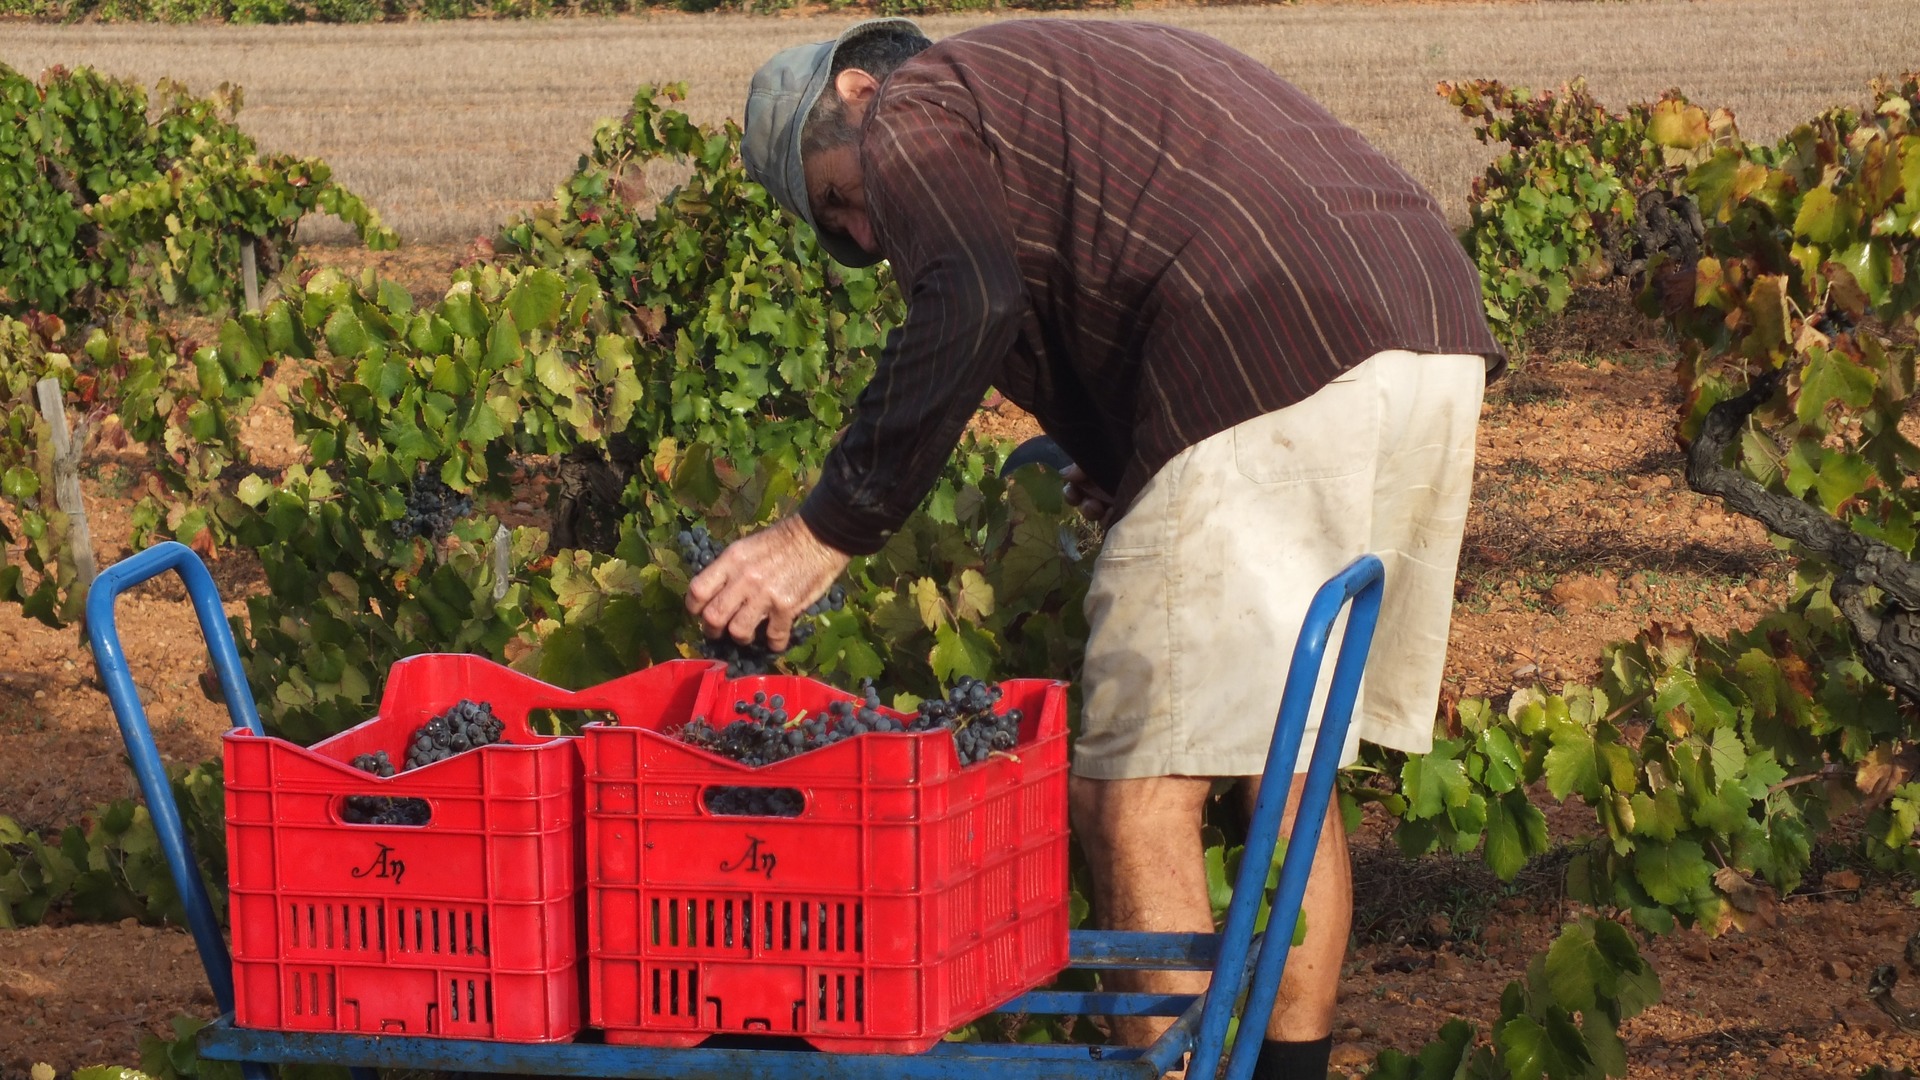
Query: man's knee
[(1088, 802), (1083, 802), (1106, 810), (1249, 792)]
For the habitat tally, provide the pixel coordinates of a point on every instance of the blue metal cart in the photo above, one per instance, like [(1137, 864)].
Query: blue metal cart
[(1247, 963)]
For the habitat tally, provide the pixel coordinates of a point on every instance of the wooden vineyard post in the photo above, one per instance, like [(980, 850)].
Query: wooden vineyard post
[(249, 273), (502, 562), (66, 478)]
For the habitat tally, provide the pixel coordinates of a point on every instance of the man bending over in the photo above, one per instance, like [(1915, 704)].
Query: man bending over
[(1254, 334)]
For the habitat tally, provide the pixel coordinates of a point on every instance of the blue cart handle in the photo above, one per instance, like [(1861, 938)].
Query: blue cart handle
[(1360, 584), (132, 715)]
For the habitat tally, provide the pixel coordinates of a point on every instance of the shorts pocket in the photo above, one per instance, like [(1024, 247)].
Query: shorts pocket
[(1149, 527), (1336, 432)]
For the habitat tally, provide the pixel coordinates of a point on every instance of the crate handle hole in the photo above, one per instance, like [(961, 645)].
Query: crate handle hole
[(383, 810), (558, 722), (736, 800)]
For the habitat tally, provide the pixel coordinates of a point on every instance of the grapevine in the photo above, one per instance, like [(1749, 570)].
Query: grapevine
[(1697, 754), (121, 202)]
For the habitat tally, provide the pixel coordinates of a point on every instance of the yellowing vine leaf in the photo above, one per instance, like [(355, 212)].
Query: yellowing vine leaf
[(1749, 904), (1678, 125), (1883, 769), (926, 597), (973, 601)]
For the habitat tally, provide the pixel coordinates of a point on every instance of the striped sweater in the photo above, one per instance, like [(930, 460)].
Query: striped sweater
[(1137, 234)]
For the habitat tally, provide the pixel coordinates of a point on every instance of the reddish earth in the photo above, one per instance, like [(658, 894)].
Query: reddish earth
[(1583, 532)]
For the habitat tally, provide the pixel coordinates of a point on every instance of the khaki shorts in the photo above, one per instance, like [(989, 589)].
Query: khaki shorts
[(1199, 592)]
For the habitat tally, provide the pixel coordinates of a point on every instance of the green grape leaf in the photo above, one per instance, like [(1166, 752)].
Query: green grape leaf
[(1831, 377), (240, 350), (962, 650), (1825, 217), (1219, 886), (1632, 984), (1571, 764), (1449, 1055), (503, 343), (1575, 968), (1505, 853), (346, 335), (20, 483), (1505, 762), (536, 300), (1671, 872), (1516, 831), (253, 490), (1659, 816), (1434, 781), (1524, 1050)]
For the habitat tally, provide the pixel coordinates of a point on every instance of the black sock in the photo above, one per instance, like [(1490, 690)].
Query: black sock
[(1293, 1060)]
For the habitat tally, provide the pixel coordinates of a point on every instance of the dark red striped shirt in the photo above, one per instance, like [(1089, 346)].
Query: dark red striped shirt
[(1134, 232)]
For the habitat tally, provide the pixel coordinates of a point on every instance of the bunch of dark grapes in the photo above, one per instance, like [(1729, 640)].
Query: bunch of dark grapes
[(380, 809), (432, 507), (767, 733), (699, 549), (967, 711), (466, 726), (857, 718), (754, 802)]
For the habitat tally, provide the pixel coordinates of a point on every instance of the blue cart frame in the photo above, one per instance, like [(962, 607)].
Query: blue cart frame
[(1237, 957)]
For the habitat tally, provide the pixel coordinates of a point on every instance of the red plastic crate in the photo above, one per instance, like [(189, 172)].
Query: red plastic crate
[(909, 896), (464, 927)]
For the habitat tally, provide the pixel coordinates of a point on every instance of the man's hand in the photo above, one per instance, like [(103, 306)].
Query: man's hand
[(770, 576), (1086, 496)]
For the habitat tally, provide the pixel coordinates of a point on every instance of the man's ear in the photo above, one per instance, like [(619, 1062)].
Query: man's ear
[(856, 88)]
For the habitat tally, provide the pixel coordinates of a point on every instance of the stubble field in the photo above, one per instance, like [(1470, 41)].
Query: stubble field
[(450, 127)]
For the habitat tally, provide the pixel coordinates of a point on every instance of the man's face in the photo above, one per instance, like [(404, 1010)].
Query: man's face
[(839, 197)]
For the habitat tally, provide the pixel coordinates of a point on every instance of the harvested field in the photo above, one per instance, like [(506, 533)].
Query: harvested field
[(450, 127)]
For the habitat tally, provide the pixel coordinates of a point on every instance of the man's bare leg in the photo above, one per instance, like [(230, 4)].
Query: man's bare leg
[(1142, 841), (1310, 986)]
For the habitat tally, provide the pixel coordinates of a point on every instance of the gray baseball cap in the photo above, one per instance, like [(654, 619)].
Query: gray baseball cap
[(778, 101)]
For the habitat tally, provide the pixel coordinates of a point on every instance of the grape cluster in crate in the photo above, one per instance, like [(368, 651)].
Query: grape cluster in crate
[(766, 732), (467, 726)]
